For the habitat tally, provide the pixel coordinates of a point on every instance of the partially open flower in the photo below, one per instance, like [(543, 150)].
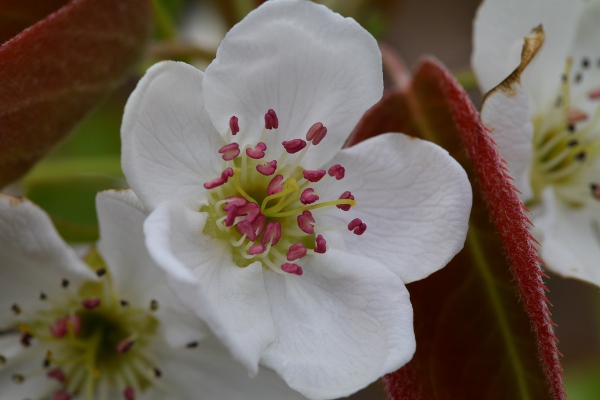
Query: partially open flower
[(300, 249), (107, 327), (546, 119)]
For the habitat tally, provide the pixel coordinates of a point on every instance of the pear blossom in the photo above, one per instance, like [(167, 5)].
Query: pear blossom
[(294, 251), (106, 327), (545, 119)]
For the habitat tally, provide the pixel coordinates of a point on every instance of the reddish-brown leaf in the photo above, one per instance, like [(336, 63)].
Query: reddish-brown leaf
[(52, 73), (16, 15), (475, 339)]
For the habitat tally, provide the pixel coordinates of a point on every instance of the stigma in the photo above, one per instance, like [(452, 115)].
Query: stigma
[(265, 206)]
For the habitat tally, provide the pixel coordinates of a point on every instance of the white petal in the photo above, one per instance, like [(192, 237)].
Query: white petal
[(507, 116), (33, 259), (414, 198), (340, 326), (170, 148), (498, 30), (136, 276), (232, 300), (570, 238), (210, 370), (301, 60)]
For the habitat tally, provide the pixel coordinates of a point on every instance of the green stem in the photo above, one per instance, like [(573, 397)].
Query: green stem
[(164, 24)]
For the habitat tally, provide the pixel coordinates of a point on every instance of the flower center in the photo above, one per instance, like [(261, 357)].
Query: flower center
[(265, 207), (91, 342), (567, 139)]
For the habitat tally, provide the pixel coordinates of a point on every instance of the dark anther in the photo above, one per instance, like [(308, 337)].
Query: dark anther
[(580, 156), (578, 77), (46, 363), (43, 296), (157, 372), (192, 345), (572, 143), (101, 272), (16, 309), (18, 378), (571, 127), (153, 305), (26, 339), (65, 283), (564, 77), (2, 360), (124, 303), (585, 63)]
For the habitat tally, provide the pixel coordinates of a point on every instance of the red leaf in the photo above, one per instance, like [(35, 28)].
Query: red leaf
[(54, 72), (474, 340), (16, 15)]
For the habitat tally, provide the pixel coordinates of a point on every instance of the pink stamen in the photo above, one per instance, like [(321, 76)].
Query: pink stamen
[(292, 269), (225, 175), (276, 185), (234, 201), (230, 151), (232, 213), (26, 339), (57, 374), (267, 168), (257, 152), (129, 392), (308, 196), (90, 303), (250, 211), (575, 115), (294, 146), (314, 176), (337, 171), (296, 251), (594, 94), (272, 234), (124, 346), (306, 222), (345, 196), (257, 249), (245, 228), (259, 224), (61, 395), (357, 226), (271, 120), (62, 326), (233, 125), (321, 245), (316, 133)]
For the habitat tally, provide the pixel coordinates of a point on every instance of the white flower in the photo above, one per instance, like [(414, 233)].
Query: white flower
[(547, 124), (261, 220), (103, 328)]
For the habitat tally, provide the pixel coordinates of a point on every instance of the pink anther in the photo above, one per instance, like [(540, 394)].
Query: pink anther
[(61, 395), (90, 303), (62, 326), (230, 151), (245, 228), (575, 115), (316, 133), (294, 145), (257, 249), (268, 168), (321, 245), (129, 392), (296, 251), (306, 222), (25, 339), (308, 196), (357, 226), (233, 125), (124, 346), (257, 152), (345, 196), (259, 224), (57, 374), (594, 94), (271, 120), (225, 175), (272, 234), (276, 185), (250, 211), (314, 176), (337, 171), (234, 201), (232, 214), (294, 269)]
